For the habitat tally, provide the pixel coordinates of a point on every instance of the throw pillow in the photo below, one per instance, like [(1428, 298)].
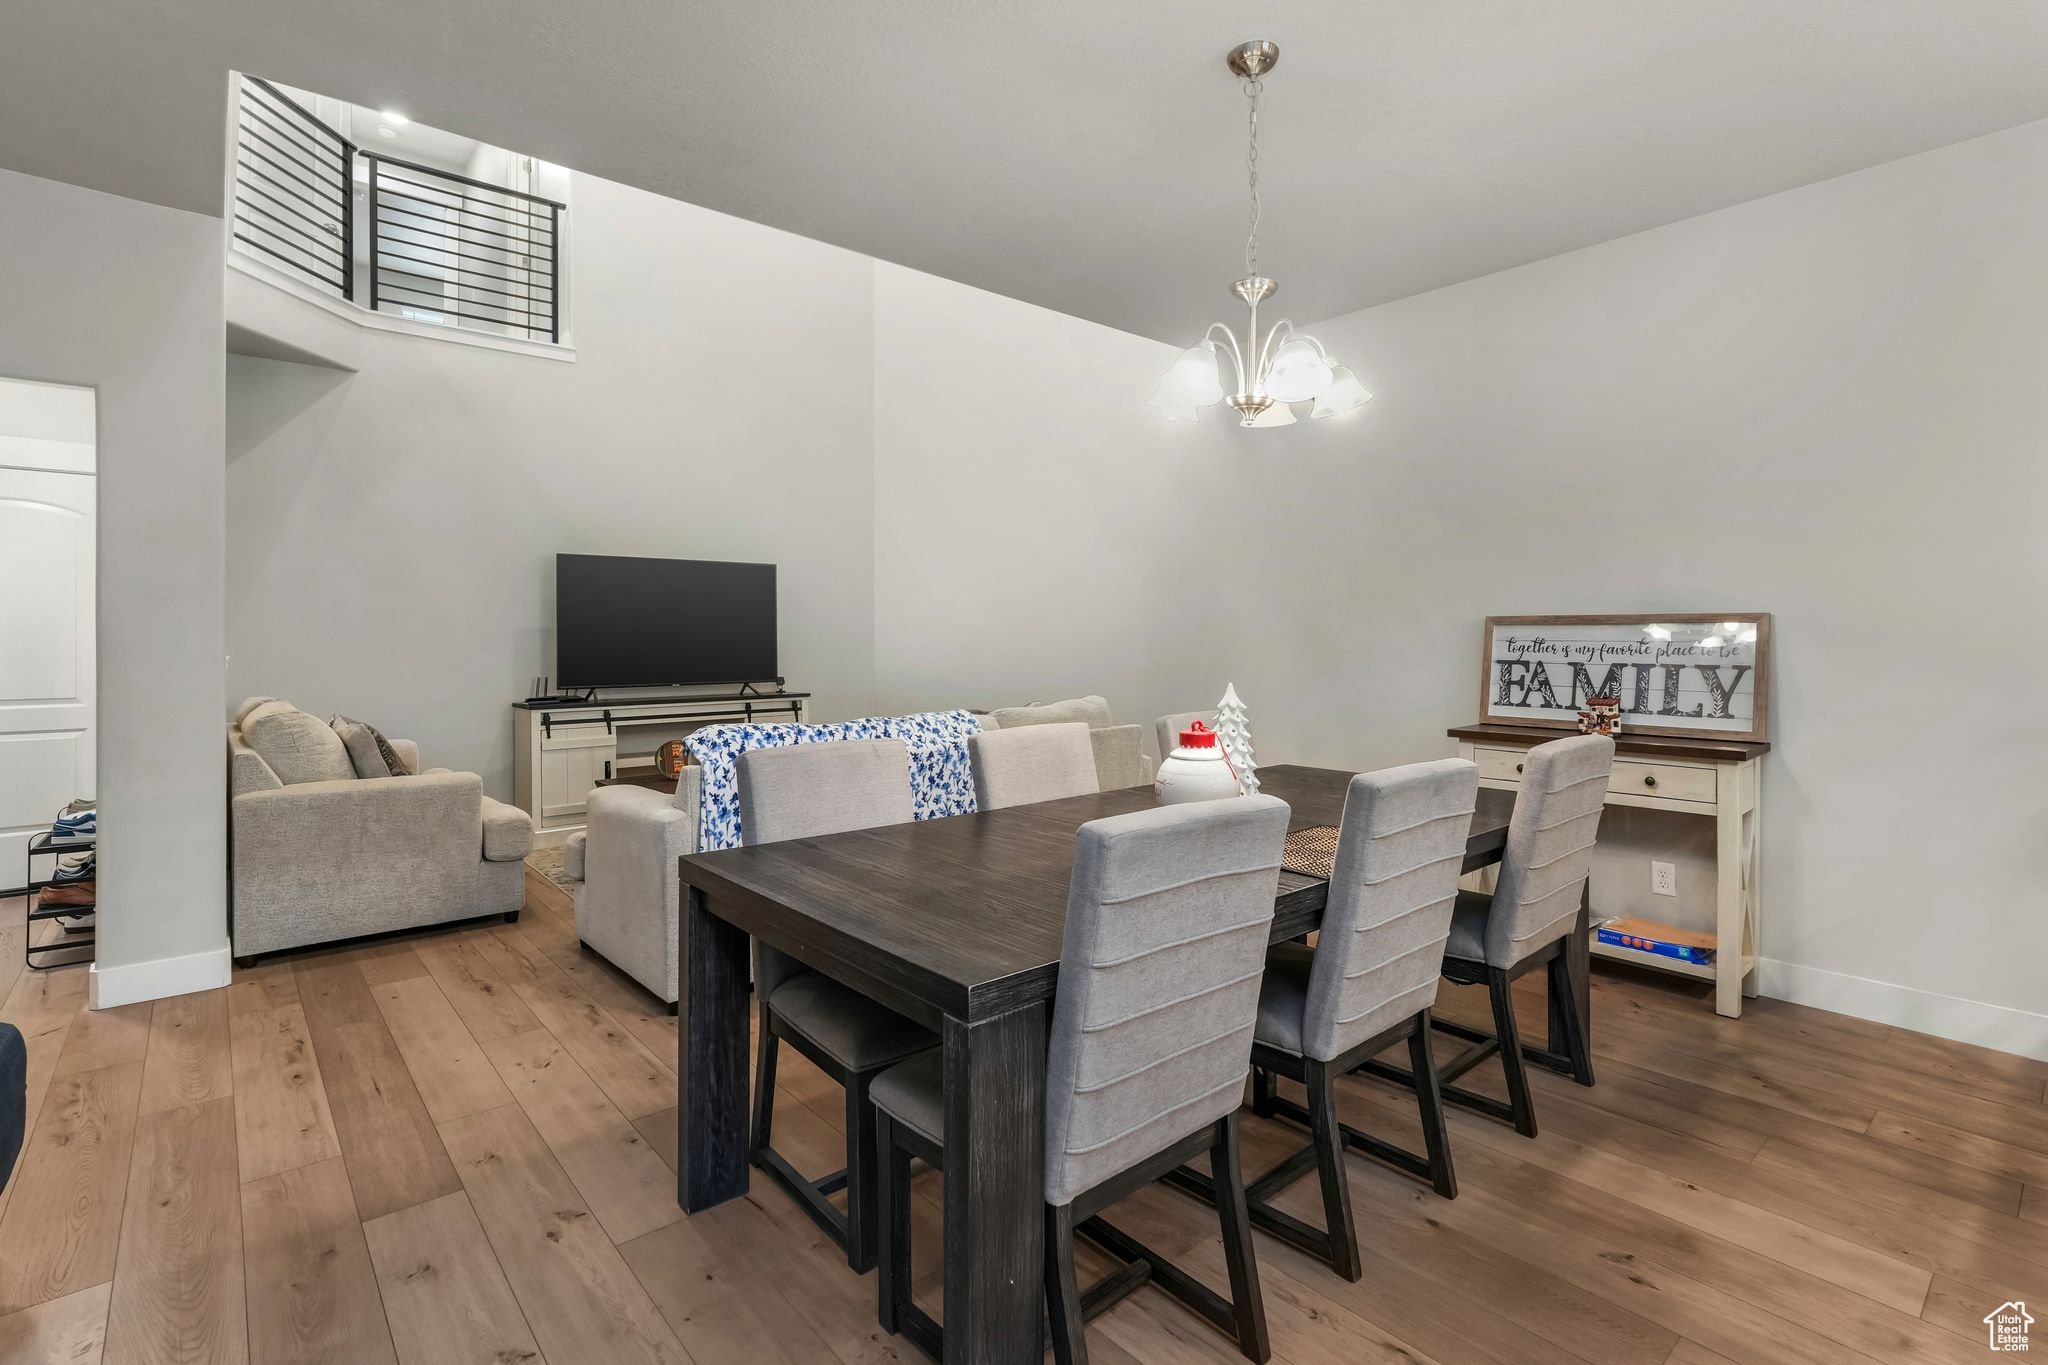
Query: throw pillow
[(371, 754), (298, 747), (400, 765)]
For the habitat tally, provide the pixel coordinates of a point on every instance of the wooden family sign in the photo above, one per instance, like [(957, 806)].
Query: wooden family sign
[(1673, 675)]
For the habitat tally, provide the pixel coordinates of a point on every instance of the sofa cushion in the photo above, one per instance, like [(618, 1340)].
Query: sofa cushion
[(1091, 711), (298, 747), (249, 704)]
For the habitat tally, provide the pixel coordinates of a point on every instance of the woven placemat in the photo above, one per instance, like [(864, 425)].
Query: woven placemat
[(1312, 852)]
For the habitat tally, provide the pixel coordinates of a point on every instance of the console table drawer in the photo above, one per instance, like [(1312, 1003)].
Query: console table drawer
[(1668, 780), (1499, 765), (1632, 777)]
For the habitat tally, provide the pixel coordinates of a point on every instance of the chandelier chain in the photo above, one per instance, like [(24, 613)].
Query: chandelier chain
[(1263, 374), (1253, 88)]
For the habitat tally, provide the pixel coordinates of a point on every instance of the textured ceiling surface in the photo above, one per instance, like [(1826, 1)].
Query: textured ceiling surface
[(1086, 157)]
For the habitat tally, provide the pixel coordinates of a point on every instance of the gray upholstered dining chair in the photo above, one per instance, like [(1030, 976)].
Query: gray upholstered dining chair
[(1523, 925), (1367, 985), (1167, 728), (1031, 763), (1168, 916), (13, 1098), (798, 792)]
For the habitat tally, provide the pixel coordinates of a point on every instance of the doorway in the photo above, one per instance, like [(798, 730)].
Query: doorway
[(48, 551)]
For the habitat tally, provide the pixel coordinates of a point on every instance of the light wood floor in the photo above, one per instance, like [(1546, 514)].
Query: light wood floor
[(456, 1148)]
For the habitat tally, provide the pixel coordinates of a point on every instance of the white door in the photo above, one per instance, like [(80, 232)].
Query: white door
[(46, 655)]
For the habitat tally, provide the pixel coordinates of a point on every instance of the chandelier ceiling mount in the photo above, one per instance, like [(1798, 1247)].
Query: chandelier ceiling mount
[(1249, 61)]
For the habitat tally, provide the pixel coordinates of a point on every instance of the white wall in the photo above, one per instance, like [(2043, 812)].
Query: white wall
[(1826, 405), (125, 297), (1036, 526), (393, 531)]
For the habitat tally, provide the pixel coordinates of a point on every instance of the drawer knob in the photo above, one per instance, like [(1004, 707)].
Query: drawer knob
[(1518, 767), (1650, 780)]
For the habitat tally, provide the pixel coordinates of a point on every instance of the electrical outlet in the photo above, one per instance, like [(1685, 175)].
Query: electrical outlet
[(1664, 878)]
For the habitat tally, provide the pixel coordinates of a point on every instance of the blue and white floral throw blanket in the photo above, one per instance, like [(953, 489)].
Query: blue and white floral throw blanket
[(941, 783)]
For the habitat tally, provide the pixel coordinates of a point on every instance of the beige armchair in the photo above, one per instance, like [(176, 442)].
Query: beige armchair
[(628, 886), (318, 854)]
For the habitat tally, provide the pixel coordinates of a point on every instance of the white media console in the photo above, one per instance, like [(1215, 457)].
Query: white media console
[(562, 750)]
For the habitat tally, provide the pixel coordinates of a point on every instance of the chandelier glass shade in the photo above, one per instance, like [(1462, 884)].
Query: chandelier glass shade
[(1260, 376)]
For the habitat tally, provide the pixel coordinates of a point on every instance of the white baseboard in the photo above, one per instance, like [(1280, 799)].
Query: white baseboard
[(1944, 1016), (106, 986)]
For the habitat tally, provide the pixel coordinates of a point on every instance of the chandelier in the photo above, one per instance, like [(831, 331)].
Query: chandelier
[(1272, 373)]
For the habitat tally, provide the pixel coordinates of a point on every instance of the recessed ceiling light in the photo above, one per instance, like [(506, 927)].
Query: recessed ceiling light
[(394, 118), (386, 130)]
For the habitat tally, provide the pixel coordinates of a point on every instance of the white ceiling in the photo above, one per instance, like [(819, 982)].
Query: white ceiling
[(1083, 156)]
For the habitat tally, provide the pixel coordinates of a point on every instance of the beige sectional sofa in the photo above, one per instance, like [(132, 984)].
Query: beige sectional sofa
[(624, 863), (317, 853)]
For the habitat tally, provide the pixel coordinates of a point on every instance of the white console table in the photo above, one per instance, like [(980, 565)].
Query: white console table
[(1716, 779), (563, 750)]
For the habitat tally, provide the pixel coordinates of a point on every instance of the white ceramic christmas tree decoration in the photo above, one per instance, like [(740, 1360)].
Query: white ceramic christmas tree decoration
[(1234, 730)]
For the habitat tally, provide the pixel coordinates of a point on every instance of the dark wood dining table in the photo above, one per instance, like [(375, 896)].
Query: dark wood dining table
[(956, 923)]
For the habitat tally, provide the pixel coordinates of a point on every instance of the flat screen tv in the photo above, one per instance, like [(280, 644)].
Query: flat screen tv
[(628, 622)]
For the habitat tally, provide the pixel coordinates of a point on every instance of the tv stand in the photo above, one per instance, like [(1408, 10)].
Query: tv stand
[(561, 750)]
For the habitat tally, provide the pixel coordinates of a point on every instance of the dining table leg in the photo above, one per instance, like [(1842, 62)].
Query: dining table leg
[(1578, 957), (995, 1187), (711, 1059)]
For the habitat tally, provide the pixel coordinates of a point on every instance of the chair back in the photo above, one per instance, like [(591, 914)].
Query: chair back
[(1549, 852), (801, 791), (1167, 728), (1032, 763), (1381, 949), (13, 1097), (1120, 757), (1168, 916)]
